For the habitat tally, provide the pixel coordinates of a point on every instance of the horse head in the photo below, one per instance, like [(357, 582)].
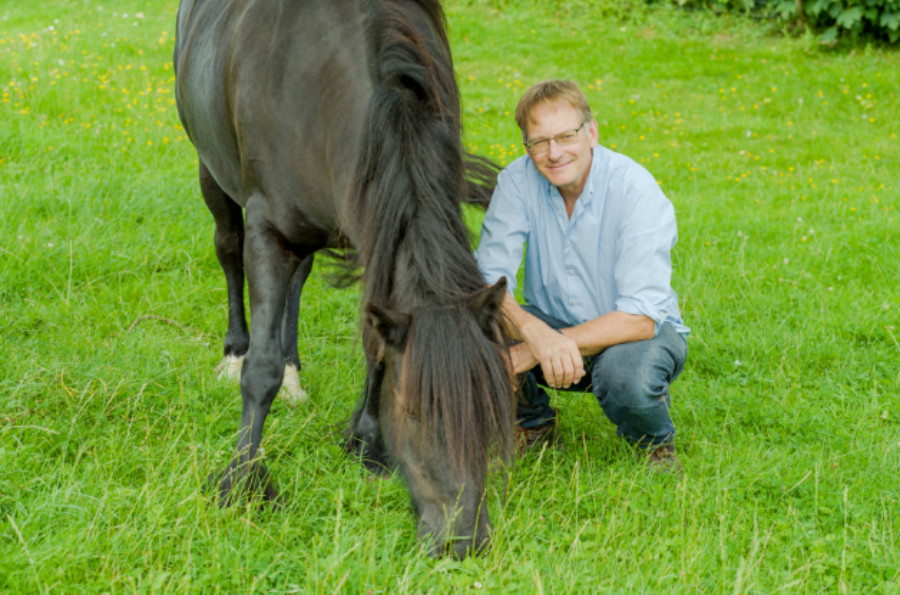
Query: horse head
[(445, 409)]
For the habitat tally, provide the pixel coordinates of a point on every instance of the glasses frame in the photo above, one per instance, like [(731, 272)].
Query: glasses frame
[(539, 142)]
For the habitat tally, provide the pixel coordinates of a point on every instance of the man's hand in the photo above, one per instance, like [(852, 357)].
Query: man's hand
[(558, 356)]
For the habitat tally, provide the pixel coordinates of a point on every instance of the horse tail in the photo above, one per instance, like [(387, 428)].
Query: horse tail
[(481, 175)]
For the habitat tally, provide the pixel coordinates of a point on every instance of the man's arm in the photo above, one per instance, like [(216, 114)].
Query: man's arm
[(559, 353)]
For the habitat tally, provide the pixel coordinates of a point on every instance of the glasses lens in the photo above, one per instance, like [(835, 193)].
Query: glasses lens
[(539, 146), (566, 138), (563, 139)]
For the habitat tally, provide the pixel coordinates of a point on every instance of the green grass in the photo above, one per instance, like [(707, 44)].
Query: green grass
[(780, 159)]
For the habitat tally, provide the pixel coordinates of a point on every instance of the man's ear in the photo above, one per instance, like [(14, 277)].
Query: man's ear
[(486, 304), (390, 327), (594, 133)]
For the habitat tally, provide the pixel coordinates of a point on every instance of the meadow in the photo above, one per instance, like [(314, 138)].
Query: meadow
[(780, 157)]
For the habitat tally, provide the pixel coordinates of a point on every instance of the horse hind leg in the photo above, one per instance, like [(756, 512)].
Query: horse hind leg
[(229, 243), (291, 391)]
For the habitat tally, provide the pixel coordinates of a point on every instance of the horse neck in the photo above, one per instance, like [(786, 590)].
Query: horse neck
[(413, 244), (432, 264)]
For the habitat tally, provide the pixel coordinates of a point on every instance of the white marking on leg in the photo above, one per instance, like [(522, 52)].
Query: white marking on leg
[(230, 368), (291, 391)]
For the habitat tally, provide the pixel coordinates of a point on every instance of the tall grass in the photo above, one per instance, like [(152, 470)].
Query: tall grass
[(780, 159)]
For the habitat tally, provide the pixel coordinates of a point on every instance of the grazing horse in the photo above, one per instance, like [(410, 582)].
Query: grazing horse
[(335, 125)]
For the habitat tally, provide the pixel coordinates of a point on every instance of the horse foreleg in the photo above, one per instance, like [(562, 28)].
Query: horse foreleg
[(269, 270), (364, 435)]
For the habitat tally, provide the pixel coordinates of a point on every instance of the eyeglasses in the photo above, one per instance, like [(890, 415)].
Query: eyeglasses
[(539, 146)]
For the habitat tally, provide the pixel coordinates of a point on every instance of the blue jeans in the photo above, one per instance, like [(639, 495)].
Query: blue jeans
[(630, 380)]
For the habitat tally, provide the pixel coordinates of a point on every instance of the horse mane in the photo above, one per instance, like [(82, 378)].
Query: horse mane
[(414, 249), (413, 174)]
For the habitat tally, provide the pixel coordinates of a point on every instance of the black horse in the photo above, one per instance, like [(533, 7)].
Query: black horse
[(335, 125)]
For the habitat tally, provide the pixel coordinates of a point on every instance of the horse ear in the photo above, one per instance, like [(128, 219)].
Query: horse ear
[(390, 327), (486, 304)]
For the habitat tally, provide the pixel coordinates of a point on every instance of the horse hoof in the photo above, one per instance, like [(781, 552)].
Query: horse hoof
[(291, 391), (230, 367), (255, 486)]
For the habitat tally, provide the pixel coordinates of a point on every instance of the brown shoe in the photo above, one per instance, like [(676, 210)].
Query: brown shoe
[(664, 460), (528, 438)]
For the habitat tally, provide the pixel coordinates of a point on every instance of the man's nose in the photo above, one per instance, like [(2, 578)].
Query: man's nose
[(554, 150)]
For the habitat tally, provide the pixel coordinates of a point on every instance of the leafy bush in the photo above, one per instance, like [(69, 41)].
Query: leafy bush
[(877, 19), (831, 19)]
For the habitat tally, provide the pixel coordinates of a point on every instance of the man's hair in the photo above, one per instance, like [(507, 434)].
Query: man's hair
[(551, 90)]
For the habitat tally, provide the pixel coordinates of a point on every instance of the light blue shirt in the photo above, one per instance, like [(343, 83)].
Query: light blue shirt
[(613, 254)]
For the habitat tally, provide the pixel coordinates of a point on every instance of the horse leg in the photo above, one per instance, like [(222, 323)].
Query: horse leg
[(364, 435), (269, 270), (291, 391), (229, 241)]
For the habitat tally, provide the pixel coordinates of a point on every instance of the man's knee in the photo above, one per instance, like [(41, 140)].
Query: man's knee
[(636, 374), (630, 387)]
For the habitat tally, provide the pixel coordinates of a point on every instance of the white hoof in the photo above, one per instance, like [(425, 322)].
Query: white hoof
[(230, 367), (291, 391)]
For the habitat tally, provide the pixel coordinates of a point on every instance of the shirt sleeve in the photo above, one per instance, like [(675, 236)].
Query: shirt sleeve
[(504, 232), (643, 269)]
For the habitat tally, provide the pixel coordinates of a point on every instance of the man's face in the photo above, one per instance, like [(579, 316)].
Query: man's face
[(566, 167)]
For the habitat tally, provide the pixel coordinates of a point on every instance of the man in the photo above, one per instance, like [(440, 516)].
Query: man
[(600, 314)]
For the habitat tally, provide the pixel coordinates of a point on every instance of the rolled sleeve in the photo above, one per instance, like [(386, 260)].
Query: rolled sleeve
[(643, 269)]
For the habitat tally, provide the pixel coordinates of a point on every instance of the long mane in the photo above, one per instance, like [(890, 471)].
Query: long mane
[(414, 249), (412, 171)]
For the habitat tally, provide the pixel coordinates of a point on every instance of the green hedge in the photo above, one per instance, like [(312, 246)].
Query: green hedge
[(832, 20), (878, 19)]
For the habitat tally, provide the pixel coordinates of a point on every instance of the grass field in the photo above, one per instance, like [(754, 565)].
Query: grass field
[(781, 160)]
